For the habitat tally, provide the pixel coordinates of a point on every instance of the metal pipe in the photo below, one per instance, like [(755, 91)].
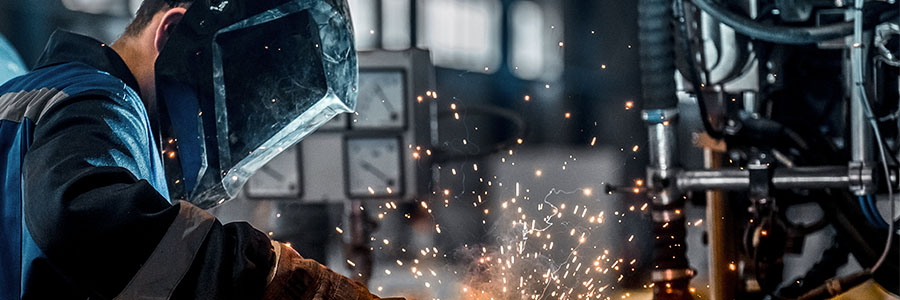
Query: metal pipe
[(812, 178), (783, 178), (861, 151), (713, 180), (662, 140)]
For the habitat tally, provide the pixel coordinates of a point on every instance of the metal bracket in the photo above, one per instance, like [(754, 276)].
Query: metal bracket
[(861, 178), (760, 179)]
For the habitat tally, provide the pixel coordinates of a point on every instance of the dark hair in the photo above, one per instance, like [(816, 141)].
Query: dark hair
[(148, 9)]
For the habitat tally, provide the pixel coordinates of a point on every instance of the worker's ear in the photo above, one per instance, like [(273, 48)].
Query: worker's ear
[(170, 18)]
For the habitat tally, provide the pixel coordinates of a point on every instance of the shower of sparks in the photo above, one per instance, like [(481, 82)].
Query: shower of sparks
[(550, 253), (554, 246)]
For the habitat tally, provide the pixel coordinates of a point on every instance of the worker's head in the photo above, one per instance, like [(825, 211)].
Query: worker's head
[(236, 82), (145, 37)]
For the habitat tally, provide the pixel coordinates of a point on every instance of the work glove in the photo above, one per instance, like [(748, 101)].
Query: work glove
[(297, 278)]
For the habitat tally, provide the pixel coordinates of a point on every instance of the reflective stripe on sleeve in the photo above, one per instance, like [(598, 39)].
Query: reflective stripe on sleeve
[(173, 256)]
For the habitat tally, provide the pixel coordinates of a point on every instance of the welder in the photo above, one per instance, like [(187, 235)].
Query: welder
[(109, 153)]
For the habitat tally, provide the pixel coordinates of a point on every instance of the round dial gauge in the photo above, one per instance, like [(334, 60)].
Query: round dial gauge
[(373, 167), (280, 178), (381, 102)]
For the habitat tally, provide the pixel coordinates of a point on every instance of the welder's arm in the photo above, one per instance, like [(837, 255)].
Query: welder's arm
[(97, 223)]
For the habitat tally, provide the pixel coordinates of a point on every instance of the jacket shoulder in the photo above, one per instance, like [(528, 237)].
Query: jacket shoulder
[(34, 94)]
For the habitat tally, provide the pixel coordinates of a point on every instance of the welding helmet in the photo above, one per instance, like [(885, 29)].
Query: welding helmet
[(240, 81)]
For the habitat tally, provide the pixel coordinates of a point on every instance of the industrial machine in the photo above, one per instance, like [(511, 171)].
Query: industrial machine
[(756, 106)]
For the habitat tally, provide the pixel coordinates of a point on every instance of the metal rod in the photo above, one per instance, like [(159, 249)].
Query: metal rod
[(784, 178), (861, 139)]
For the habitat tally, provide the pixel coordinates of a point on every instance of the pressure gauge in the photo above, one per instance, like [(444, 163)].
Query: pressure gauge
[(381, 103), (374, 168), (280, 178)]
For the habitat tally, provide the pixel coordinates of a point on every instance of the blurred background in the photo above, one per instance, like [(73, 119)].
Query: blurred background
[(535, 110), (499, 150)]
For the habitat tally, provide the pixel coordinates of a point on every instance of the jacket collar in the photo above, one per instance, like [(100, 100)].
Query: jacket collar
[(66, 47)]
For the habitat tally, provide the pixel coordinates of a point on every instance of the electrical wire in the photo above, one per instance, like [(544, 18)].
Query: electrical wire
[(870, 212), (858, 81), (687, 50), (864, 207), (779, 34), (873, 207)]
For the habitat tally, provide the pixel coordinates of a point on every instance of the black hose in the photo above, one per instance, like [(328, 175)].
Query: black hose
[(657, 54), (693, 75), (790, 35)]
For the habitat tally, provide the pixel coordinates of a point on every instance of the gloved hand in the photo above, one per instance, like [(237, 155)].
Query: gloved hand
[(296, 278)]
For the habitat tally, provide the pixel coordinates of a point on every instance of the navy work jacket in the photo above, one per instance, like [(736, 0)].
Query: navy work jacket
[(83, 197)]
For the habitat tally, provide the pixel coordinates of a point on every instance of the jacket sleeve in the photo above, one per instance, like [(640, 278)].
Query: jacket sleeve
[(106, 231)]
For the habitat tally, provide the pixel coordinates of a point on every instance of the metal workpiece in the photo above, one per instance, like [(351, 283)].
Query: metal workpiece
[(782, 178)]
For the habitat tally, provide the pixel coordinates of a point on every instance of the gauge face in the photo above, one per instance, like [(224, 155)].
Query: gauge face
[(373, 167), (280, 178), (381, 102)]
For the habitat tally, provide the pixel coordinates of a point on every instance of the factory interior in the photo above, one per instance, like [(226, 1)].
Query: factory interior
[(584, 149)]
